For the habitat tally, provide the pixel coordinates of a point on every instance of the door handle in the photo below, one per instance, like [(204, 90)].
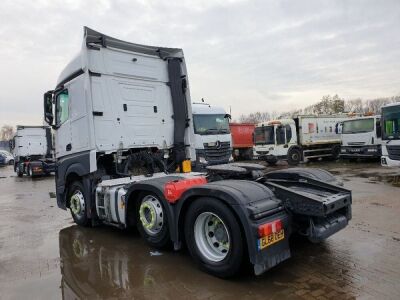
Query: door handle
[(68, 147), (125, 107)]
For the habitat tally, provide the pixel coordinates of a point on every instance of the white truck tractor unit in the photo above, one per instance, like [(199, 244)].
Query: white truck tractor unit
[(361, 138), (299, 139), (391, 135), (212, 138), (124, 136), (32, 149)]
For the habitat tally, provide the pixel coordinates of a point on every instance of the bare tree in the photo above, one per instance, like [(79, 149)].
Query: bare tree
[(6, 133)]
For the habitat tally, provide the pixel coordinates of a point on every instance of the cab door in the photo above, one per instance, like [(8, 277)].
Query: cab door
[(63, 137)]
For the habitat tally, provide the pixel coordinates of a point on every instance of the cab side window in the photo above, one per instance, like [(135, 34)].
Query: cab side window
[(288, 133), (280, 135), (378, 129), (62, 107)]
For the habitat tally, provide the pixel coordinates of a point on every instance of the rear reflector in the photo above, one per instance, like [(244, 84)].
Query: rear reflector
[(173, 190), (268, 228)]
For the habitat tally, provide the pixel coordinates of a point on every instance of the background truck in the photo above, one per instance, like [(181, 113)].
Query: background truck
[(242, 140), (299, 139), (212, 137), (32, 150), (361, 138), (391, 135), (124, 135)]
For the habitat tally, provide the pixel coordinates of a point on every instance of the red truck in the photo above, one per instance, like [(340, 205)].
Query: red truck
[(242, 140)]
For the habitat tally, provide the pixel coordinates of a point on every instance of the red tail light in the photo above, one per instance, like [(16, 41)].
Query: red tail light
[(268, 228), (173, 190)]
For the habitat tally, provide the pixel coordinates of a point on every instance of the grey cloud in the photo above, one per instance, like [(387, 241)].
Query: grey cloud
[(250, 55)]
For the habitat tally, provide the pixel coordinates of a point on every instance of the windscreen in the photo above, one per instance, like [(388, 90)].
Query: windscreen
[(358, 126), (264, 135), (211, 124), (391, 122)]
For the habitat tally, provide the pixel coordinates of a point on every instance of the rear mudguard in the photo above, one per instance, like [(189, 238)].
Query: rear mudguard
[(253, 204)]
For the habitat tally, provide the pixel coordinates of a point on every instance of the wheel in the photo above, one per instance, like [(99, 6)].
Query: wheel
[(77, 203), (18, 169), (11, 162), (335, 152), (294, 156), (29, 171), (152, 221), (214, 238)]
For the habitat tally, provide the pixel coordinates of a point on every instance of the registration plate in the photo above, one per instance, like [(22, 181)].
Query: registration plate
[(268, 240)]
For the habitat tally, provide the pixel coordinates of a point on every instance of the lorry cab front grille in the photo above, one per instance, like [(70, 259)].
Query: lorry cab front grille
[(218, 152), (393, 152)]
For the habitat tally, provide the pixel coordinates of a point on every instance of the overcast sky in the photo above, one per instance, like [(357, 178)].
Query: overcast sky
[(250, 55)]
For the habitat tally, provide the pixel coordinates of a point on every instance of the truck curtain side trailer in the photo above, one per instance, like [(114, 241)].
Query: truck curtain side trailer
[(361, 138), (302, 138), (242, 140), (124, 147), (32, 148), (391, 135)]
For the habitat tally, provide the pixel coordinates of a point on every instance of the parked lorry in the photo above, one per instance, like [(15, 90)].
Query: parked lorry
[(361, 138), (32, 150), (122, 118), (299, 139), (242, 140), (391, 135), (212, 138)]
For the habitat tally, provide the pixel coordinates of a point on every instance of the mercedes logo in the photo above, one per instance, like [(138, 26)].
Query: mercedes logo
[(218, 144)]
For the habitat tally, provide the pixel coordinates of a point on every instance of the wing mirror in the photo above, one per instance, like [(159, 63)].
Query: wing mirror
[(48, 107)]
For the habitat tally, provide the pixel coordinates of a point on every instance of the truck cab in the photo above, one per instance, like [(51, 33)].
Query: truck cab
[(272, 139), (361, 138), (212, 136), (33, 150), (391, 135)]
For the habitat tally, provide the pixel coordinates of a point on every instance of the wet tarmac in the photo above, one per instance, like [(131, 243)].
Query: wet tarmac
[(43, 255)]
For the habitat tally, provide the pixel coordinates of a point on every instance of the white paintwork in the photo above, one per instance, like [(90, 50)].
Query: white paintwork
[(201, 139), (29, 141), (394, 142), (141, 85), (314, 130), (362, 138)]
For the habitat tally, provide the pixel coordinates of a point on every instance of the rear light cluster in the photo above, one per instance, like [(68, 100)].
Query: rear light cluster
[(268, 228), (173, 190)]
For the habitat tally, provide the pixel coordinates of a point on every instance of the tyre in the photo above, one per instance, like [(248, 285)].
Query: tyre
[(152, 221), (77, 203), (11, 162), (214, 238), (29, 171), (335, 152), (18, 169), (294, 156), (272, 162)]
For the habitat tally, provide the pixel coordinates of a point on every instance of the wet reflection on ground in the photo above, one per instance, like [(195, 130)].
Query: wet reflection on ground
[(107, 263)]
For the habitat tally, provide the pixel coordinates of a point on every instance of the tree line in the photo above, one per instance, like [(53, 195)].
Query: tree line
[(328, 105)]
